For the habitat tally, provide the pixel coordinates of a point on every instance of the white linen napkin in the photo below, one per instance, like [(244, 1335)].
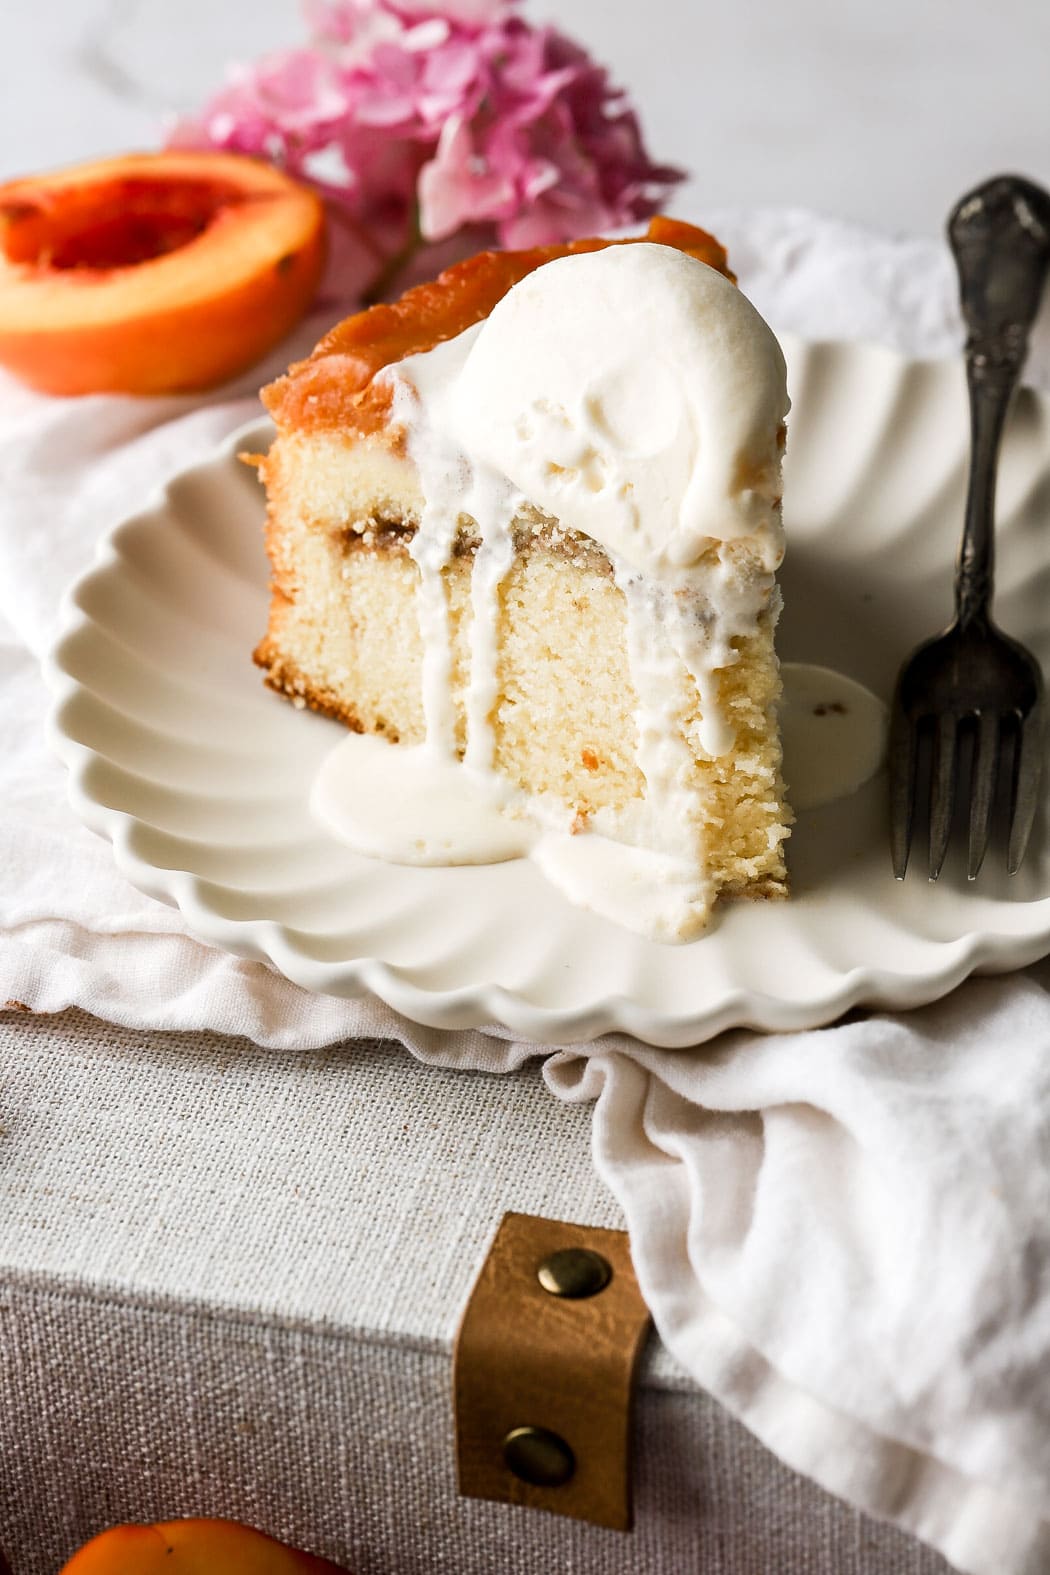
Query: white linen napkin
[(844, 1234)]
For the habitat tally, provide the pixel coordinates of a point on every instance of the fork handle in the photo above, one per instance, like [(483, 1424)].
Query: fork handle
[(1000, 238)]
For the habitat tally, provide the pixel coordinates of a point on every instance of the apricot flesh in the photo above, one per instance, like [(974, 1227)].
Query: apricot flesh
[(153, 273), (192, 1547)]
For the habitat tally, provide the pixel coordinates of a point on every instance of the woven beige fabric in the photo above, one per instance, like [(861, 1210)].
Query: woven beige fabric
[(342, 1444), (229, 1279)]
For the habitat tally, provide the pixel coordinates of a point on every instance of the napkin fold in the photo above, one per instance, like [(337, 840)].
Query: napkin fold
[(845, 1234)]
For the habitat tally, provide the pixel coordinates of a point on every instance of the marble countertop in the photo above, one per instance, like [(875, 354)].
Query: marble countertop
[(881, 114)]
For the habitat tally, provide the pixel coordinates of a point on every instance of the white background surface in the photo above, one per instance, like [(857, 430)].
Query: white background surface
[(881, 113)]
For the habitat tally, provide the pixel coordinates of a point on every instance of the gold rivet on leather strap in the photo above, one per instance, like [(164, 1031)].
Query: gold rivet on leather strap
[(574, 1272), (537, 1455)]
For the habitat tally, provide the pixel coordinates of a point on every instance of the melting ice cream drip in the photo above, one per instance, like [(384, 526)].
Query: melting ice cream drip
[(458, 496), (662, 701), (493, 508), (432, 549)]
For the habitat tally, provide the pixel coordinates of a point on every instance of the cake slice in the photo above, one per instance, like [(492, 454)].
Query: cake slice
[(524, 525)]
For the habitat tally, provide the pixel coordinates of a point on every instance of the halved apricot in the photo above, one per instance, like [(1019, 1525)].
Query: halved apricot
[(153, 272), (192, 1547)]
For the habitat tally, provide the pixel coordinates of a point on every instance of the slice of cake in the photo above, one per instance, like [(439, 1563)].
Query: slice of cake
[(524, 525)]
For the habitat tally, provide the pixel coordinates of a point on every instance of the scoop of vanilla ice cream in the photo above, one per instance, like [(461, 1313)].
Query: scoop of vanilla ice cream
[(635, 394)]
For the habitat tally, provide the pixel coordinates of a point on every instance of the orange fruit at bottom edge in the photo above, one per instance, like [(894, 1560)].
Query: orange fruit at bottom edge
[(192, 1547), (152, 273)]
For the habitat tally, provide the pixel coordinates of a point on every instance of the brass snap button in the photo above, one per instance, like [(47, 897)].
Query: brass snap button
[(574, 1273), (536, 1455)]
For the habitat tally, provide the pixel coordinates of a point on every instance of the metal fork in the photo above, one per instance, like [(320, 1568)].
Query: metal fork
[(973, 682)]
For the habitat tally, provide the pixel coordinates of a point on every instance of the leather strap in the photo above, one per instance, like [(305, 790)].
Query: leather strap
[(549, 1364)]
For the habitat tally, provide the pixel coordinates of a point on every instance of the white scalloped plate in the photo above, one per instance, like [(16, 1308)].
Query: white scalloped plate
[(199, 776)]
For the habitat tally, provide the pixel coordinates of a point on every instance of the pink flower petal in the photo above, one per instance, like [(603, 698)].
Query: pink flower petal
[(468, 13), (458, 186), (427, 35)]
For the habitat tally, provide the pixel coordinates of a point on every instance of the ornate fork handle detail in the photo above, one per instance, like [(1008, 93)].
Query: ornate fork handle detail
[(997, 362), (1000, 238)]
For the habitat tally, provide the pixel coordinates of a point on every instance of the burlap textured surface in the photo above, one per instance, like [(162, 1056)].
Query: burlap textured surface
[(229, 1284)]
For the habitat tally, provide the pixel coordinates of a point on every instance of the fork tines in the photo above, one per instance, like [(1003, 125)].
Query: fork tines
[(935, 757)]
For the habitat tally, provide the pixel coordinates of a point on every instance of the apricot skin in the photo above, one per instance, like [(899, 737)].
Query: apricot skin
[(224, 256), (192, 1547)]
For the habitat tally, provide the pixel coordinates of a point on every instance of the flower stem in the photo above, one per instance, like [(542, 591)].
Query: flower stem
[(396, 264)]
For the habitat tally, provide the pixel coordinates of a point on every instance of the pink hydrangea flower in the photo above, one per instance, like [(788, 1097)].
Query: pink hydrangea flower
[(441, 114)]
